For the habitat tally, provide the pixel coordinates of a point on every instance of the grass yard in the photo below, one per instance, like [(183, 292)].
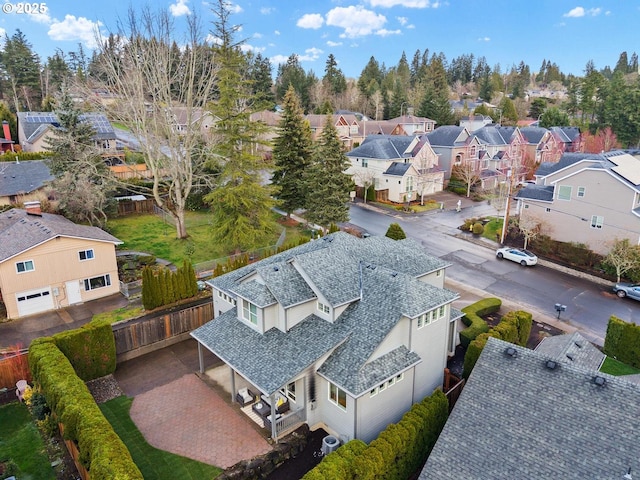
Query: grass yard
[(21, 442), (614, 367), (492, 228), (153, 463), (149, 233)]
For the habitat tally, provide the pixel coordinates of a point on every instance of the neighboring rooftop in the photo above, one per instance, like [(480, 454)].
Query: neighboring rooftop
[(521, 416), (22, 178), (34, 123)]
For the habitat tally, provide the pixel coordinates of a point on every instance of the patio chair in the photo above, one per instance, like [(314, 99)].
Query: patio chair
[(21, 386), (244, 396)]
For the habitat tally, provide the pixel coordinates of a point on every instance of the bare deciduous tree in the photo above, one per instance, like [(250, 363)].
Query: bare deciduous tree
[(154, 76), (468, 172), (365, 178), (623, 257), (531, 226)]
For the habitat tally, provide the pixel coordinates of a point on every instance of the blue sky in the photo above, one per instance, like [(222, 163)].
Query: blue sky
[(567, 32)]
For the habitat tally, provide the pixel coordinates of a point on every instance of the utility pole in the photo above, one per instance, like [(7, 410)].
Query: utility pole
[(506, 210)]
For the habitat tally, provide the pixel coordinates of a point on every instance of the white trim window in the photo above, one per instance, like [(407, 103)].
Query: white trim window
[(365, 162), (337, 396), (249, 312), (97, 282), (581, 192), (289, 391), (86, 255), (26, 266), (564, 192), (597, 221), (409, 184), (323, 308)]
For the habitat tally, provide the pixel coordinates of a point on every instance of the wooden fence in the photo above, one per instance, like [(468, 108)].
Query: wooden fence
[(128, 207), (14, 366), (137, 334)]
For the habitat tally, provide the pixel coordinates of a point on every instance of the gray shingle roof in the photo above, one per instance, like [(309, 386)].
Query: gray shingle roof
[(518, 419), (536, 192), (490, 135), (567, 159), (384, 147), (340, 266), (24, 177), (533, 135), (20, 231), (397, 169), (572, 348), (445, 136), (257, 293)]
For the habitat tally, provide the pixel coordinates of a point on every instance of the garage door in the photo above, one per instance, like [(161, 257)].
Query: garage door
[(34, 301)]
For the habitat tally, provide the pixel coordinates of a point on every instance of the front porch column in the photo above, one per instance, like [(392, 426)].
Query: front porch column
[(200, 357), (233, 384), (272, 401)]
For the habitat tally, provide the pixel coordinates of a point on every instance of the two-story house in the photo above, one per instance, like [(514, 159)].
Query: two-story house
[(541, 146), (587, 198), (350, 331), (503, 154), (400, 168), (48, 262), (346, 124), (455, 146), (569, 137)]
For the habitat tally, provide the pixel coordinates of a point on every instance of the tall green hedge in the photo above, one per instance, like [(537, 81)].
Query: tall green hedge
[(472, 318), (168, 287), (622, 341), (514, 327), (91, 349), (101, 450), (396, 454)]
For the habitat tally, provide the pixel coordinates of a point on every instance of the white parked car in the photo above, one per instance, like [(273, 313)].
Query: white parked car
[(518, 255)]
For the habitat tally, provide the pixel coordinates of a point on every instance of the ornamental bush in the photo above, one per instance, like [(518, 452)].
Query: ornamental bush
[(167, 287), (472, 318), (478, 228), (395, 232), (622, 341)]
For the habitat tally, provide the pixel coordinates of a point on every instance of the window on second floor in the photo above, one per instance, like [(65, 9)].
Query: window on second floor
[(581, 191), (409, 184), (323, 308), (597, 221), (365, 162), (337, 396), (26, 266), (86, 254), (249, 312), (564, 192)]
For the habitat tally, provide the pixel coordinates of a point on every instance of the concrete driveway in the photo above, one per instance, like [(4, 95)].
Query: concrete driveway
[(21, 331)]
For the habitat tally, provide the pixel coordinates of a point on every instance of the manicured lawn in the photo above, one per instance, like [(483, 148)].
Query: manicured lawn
[(153, 463), (150, 234), (119, 314), (614, 367), (21, 442), (491, 228)]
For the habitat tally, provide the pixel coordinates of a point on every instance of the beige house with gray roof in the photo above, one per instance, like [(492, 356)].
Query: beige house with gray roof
[(48, 262), (349, 332)]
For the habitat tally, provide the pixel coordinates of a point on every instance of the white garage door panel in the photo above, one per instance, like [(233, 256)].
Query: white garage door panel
[(34, 301)]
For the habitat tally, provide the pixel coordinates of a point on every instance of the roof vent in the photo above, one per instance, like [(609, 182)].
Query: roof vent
[(578, 344), (599, 381), (512, 352), (550, 364), (275, 269), (570, 356), (394, 274)]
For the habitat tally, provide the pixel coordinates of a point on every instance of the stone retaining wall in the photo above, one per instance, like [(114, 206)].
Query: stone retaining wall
[(261, 466)]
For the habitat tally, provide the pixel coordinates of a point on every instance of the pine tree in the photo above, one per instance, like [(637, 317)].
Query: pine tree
[(147, 289), (241, 204), (395, 232), (291, 154), (328, 185)]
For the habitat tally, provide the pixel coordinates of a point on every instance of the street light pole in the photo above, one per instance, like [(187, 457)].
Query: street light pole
[(505, 223)]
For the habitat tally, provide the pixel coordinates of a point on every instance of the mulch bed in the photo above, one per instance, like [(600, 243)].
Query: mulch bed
[(309, 458)]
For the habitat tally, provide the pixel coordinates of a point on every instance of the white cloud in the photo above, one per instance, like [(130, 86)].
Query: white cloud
[(267, 10), (402, 20), (278, 59), (43, 18), (257, 35), (235, 8), (383, 32), (245, 47), (329, 43), (581, 12), (356, 21), (72, 28), (404, 3), (179, 8), (310, 20), (277, 32), (484, 39), (410, 27), (311, 55)]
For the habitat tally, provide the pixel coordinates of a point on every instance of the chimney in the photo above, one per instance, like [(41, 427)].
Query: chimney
[(33, 208), (6, 130)]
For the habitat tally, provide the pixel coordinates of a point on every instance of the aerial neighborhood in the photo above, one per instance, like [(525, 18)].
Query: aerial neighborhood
[(243, 270)]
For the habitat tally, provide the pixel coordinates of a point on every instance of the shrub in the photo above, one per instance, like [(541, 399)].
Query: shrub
[(472, 318), (622, 341), (478, 228), (395, 232)]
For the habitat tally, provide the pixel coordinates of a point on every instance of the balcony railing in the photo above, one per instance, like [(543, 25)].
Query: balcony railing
[(290, 421)]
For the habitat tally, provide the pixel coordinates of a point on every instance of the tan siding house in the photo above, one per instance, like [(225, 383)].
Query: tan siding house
[(48, 262), (592, 199)]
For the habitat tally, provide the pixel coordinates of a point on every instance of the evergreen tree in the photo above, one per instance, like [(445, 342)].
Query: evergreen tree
[(292, 73), (333, 80), (21, 69), (329, 186), (261, 82), (553, 117), (147, 297), (509, 114), (395, 232), (291, 154), (241, 204)]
